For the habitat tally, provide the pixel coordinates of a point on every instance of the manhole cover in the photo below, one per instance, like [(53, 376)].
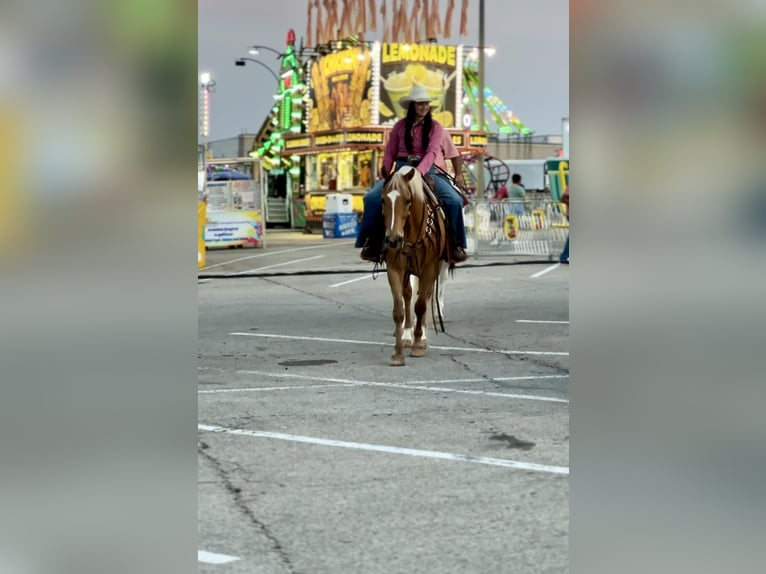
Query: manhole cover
[(307, 363)]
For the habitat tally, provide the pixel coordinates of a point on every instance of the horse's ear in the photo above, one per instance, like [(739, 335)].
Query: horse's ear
[(410, 174)]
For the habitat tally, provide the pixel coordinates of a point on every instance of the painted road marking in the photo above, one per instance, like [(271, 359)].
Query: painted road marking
[(350, 281), (408, 386), (546, 270), (515, 464), (212, 558), (280, 264), (552, 322), (274, 253), (255, 389), (388, 344)]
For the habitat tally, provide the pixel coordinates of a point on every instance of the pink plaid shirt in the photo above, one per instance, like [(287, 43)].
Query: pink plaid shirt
[(396, 148)]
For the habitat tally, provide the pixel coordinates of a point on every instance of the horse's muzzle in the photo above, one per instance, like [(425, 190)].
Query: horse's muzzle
[(394, 242)]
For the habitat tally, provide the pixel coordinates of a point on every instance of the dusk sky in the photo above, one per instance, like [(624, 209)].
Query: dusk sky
[(529, 73)]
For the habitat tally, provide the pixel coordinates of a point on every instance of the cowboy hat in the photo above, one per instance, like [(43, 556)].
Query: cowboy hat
[(418, 94)]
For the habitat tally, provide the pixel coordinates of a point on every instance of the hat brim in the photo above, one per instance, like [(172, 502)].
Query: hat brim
[(405, 101)]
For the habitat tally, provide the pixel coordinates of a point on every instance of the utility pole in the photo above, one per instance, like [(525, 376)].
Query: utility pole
[(480, 156)]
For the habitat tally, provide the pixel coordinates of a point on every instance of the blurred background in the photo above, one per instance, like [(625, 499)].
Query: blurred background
[(668, 231), (97, 286)]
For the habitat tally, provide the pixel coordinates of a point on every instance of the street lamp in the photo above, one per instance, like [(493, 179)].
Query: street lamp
[(253, 50), (480, 172), (243, 62), (206, 87)]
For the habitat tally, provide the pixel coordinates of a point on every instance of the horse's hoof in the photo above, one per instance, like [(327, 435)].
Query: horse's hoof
[(407, 342), (418, 352), (397, 360)]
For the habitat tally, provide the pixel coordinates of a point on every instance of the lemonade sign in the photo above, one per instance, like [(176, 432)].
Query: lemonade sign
[(404, 66)]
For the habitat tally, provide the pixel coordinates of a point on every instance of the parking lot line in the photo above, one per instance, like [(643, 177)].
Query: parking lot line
[(213, 558), (389, 344), (286, 388), (351, 281), (280, 264), (268, 253), (546, 270), (515, 464), (400, 385)]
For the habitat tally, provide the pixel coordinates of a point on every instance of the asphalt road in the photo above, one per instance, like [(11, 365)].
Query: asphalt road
[(316, 456)]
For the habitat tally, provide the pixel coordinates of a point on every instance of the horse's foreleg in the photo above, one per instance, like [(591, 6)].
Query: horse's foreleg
[(410, 287), (396, 282)]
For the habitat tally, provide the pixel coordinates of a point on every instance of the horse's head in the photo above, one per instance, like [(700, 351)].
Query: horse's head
[(399, 192)]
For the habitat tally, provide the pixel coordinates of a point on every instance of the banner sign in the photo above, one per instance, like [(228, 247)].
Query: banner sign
[(340, 86), (404, 66), (328, 139), (233, 228), (295, 143), (365, 137)]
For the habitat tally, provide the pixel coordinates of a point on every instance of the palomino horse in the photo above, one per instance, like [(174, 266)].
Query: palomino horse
[(416, 240)]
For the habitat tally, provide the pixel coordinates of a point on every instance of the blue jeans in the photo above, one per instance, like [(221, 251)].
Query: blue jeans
[(453, 208), (565, 254)]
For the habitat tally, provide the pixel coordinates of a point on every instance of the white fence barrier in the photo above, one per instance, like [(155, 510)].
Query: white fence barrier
[(516, 227)]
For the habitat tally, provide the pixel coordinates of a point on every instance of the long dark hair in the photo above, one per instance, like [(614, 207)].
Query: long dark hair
[(409, 121)]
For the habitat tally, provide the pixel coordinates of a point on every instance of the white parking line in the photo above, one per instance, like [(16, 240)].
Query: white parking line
[(388, 344), (280, 264), (552, 322), (350, 281), (254, 389), (268, 253), (409, 386), (212, 558), (516, 464), (546, 270)]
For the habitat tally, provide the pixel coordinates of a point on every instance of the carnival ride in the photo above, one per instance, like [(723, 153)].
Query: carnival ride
[(504, 119)]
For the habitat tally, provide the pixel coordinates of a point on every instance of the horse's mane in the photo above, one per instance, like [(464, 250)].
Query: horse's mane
[(415, 184)]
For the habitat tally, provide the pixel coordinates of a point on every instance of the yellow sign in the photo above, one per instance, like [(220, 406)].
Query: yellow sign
[(458, 139), (201, 216), (328, 139), (427, 53), (478, 140), (364, 137), (297, 143), (538, 218), (511, 227)]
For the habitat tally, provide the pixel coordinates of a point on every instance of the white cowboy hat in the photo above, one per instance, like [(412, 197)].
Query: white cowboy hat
[(418, 94)]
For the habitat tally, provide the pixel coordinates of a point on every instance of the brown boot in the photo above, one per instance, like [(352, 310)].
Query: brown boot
[(371, 252), (459, 255)]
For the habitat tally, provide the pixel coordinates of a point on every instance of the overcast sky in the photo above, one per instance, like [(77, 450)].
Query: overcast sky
[(529, 73)]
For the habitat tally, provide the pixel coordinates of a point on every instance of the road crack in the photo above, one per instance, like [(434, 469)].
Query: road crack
[(241, 504)]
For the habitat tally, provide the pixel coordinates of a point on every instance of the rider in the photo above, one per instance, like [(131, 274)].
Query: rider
[(417, 137)]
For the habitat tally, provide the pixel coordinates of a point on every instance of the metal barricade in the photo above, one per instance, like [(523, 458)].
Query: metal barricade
[(516, 227)]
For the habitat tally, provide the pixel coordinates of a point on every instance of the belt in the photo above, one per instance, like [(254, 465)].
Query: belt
[(411, 159)]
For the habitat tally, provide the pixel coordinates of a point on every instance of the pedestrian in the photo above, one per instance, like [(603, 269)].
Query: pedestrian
[(516, 193), (564, 257)]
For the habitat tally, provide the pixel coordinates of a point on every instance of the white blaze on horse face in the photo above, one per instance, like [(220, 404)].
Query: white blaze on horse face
[(393, 195)]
